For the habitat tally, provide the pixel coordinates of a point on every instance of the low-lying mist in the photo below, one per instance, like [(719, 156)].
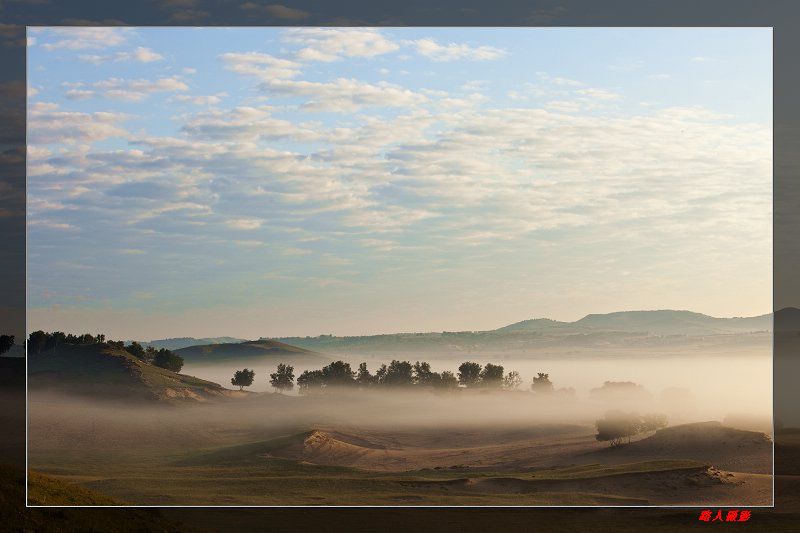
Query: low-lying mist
[(685, 387)]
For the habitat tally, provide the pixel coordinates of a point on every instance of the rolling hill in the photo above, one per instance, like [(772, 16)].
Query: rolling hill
[(183, 342), (625, 328), (109, 372), (262, 350)]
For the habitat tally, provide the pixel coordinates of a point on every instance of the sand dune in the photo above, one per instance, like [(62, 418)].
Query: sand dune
[(709, 442)]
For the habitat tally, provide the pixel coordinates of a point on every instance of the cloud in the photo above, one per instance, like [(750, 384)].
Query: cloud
[(140, 54), (142, 189), (452, 51), (130, 90), (344, 94), (263, 66), (81, 38), (244, 224), (331, 44), (46, 125), (599, 94), (201, 100), (245, 123)]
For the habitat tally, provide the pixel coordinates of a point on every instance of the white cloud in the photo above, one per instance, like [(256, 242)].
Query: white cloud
[(345, 95), (201, 100), (263, 66), (80, 38), (140, 54), (331, 44), (129, 90), (452, 51), (599, 94), (46, 124), (244, 224)]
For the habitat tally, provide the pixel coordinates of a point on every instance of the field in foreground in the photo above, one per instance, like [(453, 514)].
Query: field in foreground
[(265, 452)]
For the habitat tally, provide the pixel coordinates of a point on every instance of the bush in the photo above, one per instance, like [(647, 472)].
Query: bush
[(166, 359)]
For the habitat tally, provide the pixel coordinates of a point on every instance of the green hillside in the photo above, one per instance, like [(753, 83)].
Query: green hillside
[(104, 370), (263, 349)]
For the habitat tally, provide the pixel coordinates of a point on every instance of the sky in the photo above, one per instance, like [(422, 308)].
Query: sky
[(303, 181)]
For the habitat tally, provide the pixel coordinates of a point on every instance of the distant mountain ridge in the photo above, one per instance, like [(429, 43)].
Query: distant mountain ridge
[(624, 327)]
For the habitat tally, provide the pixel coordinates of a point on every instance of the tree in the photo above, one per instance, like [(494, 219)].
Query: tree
[(166, 359), (338, 374), (243, 378), (37, 341), (512, 380), (283, 379), (363, 377), (380, 374), (310, 381), (398, 374), (469, 374), (445, 380), (542, 384), (6, 343), (616, 425), (150, 354), (422, 373), (136, 350), (492, 376)]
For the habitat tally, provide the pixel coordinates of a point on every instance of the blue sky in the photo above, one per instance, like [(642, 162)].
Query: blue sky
[(249, 182)]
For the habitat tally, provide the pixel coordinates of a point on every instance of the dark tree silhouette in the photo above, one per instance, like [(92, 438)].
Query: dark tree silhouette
[(6, 343), (469, 374), (542, 384), (310, 381), (380, 374), (136, 350), (422, 374), (398, 374), (338, 374), (166, 359), (615, 426), (283, 378), (363, 377), (243, 378), (618, 425), (492, 376), (37, 341), (445, 380)]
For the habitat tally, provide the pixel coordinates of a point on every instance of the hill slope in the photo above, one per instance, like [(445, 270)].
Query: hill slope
[(710, 442), (669, 322), (103, 370), (262, 349), (184, 342)]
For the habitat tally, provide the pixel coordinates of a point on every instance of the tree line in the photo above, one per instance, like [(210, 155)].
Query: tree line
[(398, 374), (41, 341)]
